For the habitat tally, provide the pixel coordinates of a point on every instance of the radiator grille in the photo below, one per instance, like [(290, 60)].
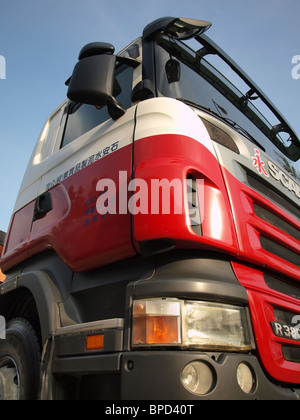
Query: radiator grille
[(280, 251), (276, 221), (291, 354), (266, 190), (286, 287)]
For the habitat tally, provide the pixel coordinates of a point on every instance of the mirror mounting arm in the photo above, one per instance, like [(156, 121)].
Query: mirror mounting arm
[(114, 108), (129, 61)]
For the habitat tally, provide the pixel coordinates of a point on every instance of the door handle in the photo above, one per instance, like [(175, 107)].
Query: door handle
[(43, 204)]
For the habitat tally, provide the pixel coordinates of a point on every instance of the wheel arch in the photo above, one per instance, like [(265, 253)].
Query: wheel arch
[(34, 297)]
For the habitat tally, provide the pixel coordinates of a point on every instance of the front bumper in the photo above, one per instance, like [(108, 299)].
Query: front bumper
[(155, 375)]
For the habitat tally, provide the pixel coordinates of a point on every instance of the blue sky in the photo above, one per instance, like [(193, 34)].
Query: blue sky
[(41, 39)]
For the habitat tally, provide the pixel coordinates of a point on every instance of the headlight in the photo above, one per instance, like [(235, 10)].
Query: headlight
[(190, 324), (215, 326), (156, 321)]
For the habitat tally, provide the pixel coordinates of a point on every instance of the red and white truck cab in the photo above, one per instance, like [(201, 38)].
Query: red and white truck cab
[(153, 251)]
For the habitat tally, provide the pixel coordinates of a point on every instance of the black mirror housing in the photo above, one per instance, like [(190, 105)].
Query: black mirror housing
[(92, 80), (96, 48)]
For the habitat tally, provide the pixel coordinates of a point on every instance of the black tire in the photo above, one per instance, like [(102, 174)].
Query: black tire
[(20, 362)]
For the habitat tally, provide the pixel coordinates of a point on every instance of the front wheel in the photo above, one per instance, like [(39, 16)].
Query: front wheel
[(19, 362)]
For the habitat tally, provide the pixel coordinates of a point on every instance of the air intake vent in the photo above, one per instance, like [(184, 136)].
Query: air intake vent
[(280, 251), (276, 221), (193, 201), (291, 354), (268, 191), (288, 288)]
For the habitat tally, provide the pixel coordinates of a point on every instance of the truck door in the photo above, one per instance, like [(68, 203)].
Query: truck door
[(91, 147)]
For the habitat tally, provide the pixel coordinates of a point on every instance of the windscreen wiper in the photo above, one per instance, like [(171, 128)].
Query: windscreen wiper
[(230, 122)]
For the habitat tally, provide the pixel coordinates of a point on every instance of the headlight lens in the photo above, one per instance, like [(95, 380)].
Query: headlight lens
[(190, 324), (215, 326)]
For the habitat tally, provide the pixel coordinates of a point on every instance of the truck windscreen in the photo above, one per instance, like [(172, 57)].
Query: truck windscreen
[(205, 80)]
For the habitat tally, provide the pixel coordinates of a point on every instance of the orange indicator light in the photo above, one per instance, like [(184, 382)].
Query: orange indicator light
[(95, 342), (156, 322)]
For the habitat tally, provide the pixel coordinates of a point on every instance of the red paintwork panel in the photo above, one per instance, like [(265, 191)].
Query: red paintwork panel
[(173, 157), (73, 228), (15, 246), (20, 228), (85, 240), (262, 302), (249, 227), (262, 299), (81, 237)]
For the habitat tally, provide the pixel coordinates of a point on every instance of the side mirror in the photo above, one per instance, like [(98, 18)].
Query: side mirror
[(92, 81)]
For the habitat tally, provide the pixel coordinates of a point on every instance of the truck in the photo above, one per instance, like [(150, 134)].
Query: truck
[(153, 251)]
